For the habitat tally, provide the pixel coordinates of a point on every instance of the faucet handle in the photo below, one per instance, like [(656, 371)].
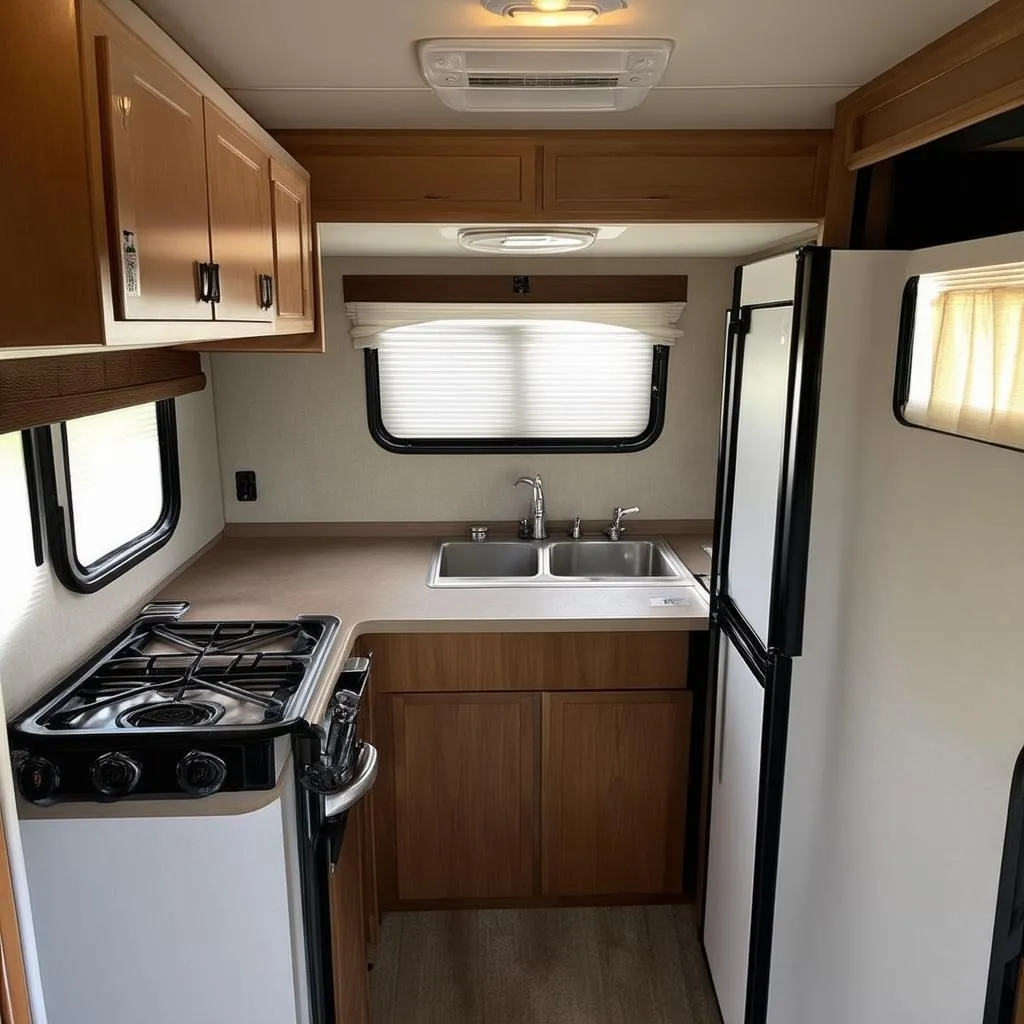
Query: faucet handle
[(615, 529), (576, 529), (620, 512)]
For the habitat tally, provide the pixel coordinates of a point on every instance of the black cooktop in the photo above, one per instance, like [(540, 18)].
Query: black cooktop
[(166, 677)]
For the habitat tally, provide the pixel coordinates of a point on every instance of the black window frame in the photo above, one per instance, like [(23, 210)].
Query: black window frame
[(58, 509), (517, 445), (904, 366)]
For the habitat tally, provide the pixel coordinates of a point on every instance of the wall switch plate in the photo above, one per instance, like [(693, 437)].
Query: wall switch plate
[(245, 485)]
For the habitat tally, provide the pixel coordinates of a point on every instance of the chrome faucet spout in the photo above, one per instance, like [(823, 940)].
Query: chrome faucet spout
[(538, 514), (615, 529)]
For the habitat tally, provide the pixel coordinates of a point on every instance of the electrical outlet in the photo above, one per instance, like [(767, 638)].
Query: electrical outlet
[(245, 485)]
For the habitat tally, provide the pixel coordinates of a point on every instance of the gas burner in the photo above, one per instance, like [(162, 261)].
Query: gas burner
[(171, 713)]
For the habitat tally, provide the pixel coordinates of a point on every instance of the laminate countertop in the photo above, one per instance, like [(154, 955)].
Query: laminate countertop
[(380, 586)]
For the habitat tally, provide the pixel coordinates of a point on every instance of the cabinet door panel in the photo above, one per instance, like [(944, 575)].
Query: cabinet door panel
[(614, 770), (465, 779), (240, 220), (706, 176), (348, 926), (156, 171), (293, 249)]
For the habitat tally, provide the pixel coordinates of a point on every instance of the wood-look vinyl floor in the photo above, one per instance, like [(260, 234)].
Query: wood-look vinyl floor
[(593, 965)]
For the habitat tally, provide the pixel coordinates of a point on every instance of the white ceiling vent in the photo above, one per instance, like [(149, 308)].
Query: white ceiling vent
[(543, 74)]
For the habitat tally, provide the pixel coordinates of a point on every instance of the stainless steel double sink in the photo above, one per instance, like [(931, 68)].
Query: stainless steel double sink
[(522, 563)]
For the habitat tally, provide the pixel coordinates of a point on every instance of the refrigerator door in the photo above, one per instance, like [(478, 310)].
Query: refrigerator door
[(762, 524), (773, 369), (739, 713)]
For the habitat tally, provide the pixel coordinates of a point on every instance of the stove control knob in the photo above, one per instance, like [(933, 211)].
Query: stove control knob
[(115, 774), (200, 773), (38, 778)]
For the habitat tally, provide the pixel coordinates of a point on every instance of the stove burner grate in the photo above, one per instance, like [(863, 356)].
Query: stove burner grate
[(171, 713)]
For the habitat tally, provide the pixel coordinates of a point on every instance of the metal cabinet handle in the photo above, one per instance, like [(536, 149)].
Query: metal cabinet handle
[(215, 282), (361, 784), (270, 291), (204, 275)]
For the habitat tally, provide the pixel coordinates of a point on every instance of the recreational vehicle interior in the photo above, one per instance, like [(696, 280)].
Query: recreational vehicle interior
[(510, 512)]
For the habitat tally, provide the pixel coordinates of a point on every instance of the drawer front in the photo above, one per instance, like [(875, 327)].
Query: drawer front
[(447, 662)]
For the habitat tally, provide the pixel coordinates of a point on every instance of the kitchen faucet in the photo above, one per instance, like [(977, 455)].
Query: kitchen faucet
[(615, 529), (539, 528)]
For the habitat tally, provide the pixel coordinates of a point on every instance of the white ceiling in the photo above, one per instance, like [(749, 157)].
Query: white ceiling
[(737, 63), (643, 240)]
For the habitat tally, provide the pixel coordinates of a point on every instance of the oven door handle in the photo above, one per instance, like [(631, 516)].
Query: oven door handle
[(342, 800)]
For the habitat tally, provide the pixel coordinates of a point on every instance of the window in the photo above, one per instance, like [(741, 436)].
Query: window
[(960, 368), (583, 378), (111, 491)]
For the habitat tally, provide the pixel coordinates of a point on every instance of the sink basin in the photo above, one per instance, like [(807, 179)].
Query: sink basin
[(620, 559), (505, 559), (556, 563)]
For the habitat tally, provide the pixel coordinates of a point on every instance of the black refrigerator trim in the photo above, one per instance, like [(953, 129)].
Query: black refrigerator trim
[(796, 484), (739, 324), (774, 735), (1008, 930)]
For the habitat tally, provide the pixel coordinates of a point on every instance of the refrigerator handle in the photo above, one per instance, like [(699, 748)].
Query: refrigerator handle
[(723, 685)]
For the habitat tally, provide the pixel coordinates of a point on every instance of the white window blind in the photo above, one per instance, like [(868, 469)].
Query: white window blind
[(515, 371), (967, 354), (116, 481)]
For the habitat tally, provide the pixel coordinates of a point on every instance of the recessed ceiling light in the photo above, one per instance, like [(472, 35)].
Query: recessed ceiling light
[(552, 13), (527, 241)]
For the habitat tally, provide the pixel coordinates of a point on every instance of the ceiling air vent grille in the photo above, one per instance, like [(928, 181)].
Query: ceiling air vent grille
[(536, 75), (543, 81)]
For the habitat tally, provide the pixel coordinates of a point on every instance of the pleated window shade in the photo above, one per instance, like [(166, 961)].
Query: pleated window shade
[(967, 356), (576, 372)]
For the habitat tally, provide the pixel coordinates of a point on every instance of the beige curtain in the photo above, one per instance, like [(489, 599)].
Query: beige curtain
[(977, 385)]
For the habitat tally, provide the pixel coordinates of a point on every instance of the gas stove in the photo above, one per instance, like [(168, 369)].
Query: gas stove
[(172, 707)]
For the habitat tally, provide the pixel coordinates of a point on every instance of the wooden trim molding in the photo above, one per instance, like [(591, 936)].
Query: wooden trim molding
[(483, 288), (34, 392), (14, 999), (970, 74)]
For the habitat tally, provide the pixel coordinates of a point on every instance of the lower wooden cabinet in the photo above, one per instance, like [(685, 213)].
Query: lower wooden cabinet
[(543, 794), (348, 926), (615, 769), (464, 795)]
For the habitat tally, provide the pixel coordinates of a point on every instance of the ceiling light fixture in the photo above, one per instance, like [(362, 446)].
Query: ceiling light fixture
[(527, 241), (552, 13)]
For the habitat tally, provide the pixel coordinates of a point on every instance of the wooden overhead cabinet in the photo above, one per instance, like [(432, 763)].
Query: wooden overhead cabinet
[(293, 244), (414, 176), (152, 123), (241, 236), (139, 203), (715, 175)]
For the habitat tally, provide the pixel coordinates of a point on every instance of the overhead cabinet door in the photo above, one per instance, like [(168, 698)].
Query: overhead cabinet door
[(293, 248), (712, 177), (241, 235), (156, 181)]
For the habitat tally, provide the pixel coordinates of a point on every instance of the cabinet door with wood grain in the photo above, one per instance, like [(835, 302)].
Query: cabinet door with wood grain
[(465, 795), (154, 149), (614, 796), (241, 234), (348, 926), (293, 244)]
